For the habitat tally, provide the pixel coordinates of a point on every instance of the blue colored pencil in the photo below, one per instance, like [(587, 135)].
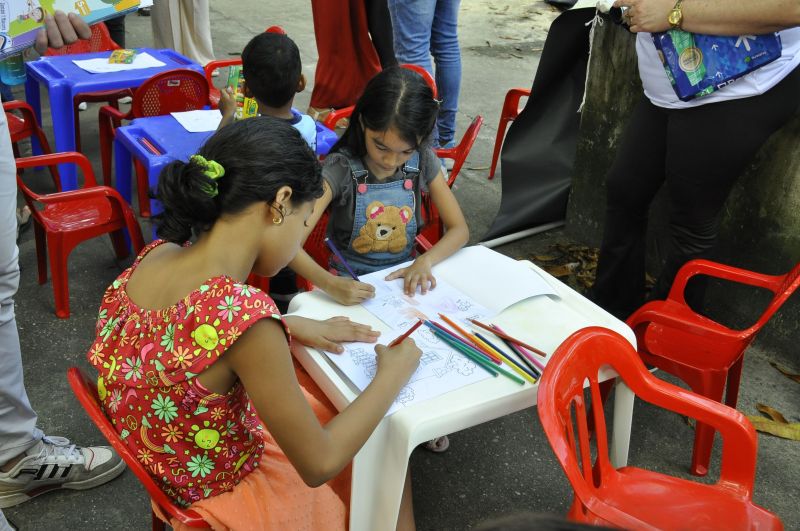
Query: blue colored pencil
[(506, 357), (338, 255)]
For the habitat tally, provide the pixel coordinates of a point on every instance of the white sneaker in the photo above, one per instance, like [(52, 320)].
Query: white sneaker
[(53, 464), (125, 100), (82, 106)]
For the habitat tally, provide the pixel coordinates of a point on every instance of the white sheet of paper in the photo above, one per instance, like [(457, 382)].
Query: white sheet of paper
[(199, 121), (102, 66), (442, 368), (500, 281)]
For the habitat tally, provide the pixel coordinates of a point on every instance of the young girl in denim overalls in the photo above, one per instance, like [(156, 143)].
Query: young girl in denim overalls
[(374, 177)]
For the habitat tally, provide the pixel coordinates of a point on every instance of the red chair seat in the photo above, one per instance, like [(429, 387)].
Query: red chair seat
[(78, 214), (641, 494)]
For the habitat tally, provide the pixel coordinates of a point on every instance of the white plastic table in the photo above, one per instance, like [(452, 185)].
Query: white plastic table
[(379, 468)]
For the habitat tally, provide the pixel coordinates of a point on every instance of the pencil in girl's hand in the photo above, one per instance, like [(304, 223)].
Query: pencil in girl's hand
[(499, 333), (399, 339), (338, 255)]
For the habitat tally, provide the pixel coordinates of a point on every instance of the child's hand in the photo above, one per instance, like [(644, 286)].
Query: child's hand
[(329, 334), (227, 103), (417, 274), (348, 291), (399, 361)]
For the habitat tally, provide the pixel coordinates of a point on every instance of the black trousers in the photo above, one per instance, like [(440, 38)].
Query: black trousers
[(116, 28), (379, 23), (699, 153)]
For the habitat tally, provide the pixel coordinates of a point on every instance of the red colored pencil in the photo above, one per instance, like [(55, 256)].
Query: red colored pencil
[(498, 333), (410, 331), (150, 147)]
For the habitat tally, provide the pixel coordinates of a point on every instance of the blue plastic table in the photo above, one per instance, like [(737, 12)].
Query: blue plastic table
[(64, 79), (158, 140)]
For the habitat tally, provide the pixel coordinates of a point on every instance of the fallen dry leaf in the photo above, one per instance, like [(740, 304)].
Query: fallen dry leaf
[(772, 413), (795, 377), (779, 429)]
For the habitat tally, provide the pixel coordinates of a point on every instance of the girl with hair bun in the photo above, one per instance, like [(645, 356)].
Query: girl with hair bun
[(194, 366)]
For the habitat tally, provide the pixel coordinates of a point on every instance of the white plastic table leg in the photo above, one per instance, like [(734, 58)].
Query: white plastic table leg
[(623, 418), (379, 472)]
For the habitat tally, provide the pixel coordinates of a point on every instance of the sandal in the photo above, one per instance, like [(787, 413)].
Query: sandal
[(438, 445)]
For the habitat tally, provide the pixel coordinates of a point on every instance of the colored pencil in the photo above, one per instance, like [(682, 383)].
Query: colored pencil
[(150, 147), (336, 252), (465, 351), (500, 333), (475, 341), (528, 363), (519, 350), (454, 336), (408, 332), (517, 367), (472, 354)]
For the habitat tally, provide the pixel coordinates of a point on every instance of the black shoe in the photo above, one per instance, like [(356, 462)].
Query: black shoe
[(143, 12)]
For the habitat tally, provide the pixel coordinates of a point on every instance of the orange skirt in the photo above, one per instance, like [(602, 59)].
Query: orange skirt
[(273, 496)]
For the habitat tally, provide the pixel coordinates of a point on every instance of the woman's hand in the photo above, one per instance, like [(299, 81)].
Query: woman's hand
[(647, 15), (59, 30), (398, 362), (417, 274), (348, 291), (329, 334)]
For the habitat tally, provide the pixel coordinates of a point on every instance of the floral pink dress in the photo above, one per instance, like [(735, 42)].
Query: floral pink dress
[(195, 443)]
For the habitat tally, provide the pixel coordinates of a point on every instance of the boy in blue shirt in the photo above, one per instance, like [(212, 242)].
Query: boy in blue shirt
[(272, 76)]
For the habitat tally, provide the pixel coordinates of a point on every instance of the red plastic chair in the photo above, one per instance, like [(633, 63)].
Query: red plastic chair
[(699, 351), (85, 390), (24, 127), (337, 114), (100, 41), (434, 228), (511, 110), (171, 91), (634, 498), (62, 220)]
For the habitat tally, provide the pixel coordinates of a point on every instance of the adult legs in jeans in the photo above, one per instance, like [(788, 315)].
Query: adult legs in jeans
[(699, 170), (18, 430), (425, 27)]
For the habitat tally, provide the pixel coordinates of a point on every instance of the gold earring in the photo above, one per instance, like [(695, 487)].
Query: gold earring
[(279, 220)]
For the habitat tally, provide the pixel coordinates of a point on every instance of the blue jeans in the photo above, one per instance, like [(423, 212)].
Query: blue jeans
[(430, 27)]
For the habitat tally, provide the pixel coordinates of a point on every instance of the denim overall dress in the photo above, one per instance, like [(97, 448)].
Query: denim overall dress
[(384, 220)]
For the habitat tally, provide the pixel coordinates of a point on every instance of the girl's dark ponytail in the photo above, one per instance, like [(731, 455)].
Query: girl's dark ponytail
[(252, 160)]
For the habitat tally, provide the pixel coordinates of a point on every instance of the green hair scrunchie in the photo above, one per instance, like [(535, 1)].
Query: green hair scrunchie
[(212, 169)]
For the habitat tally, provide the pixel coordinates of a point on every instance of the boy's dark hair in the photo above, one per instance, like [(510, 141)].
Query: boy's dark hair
[(398, 98), (259, 156), (272, 68)]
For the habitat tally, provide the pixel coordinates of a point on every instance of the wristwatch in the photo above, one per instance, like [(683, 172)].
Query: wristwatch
[(675, 17)]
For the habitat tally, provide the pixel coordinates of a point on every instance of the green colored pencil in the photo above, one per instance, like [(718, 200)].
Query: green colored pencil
[(478, 359)]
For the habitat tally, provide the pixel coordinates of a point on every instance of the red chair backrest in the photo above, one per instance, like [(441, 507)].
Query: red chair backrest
[(460, 153), (786, 286), (86, 392), (562, 408), (171, 91), (315, 243), (100, 41), (425, 75)]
